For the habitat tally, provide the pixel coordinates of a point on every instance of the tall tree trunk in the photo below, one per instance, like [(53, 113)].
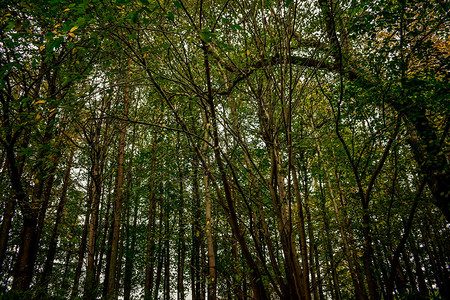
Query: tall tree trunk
[(33, 211), (117, 209), (166, 256), (48, 266), (130, 247), (329, 249), (23, 268), (105, 243), (161, 256), (256, 280), (99, 146), (196, 270), (91, 285), (81, 254), (11, 202), (34, 214), (6, 226), (130, 255), (181, 239), (151, 207), (208, 212)]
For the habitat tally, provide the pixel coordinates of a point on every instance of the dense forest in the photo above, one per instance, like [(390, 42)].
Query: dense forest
[(224, 149)]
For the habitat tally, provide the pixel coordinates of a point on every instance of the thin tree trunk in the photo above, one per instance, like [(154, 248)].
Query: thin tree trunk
[(181, 240), (117, 209), (329, 248), (48, 266), (166, 257), (105, 245), (196, 234), (91, 285), (5, 227), (208, 212), (130, 246), (150, 243), (256, 280), (81, 254), (130, 256), (160, 257)]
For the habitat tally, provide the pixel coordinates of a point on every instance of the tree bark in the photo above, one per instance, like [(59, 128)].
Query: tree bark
[(181, 239), (151, 207), (51, 253), (117, 209)]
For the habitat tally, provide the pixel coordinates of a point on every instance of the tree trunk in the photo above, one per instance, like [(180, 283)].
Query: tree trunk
[(181, 240), (91, 285), (150, 242), (48, 266), (24, 265), (255, 275), (208, 227), (81, 254), (196, 270), (117, 209), (166, 259), (5, 227), (160, 257), (130, 247)]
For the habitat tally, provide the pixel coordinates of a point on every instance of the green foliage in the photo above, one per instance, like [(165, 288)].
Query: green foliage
[(247, 95)]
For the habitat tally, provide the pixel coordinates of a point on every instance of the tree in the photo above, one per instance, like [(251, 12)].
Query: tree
[(224, 149)]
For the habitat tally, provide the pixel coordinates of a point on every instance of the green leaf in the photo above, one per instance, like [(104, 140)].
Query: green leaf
[(235, 26), (207, 35), (177, 4), (170, 16)]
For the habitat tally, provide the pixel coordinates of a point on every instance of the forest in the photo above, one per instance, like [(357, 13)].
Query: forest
[(224, 149)]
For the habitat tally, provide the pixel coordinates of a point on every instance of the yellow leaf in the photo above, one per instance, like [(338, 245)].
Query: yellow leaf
[(197, 234), (71, 34), (74, 50), (73, 29), (38, 116), (248, 52), (41, 48), (57, 25), (39, 102), (67, 9), (144, 56)]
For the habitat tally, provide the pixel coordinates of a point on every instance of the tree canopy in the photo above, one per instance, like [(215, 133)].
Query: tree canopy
[(220, 149)]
